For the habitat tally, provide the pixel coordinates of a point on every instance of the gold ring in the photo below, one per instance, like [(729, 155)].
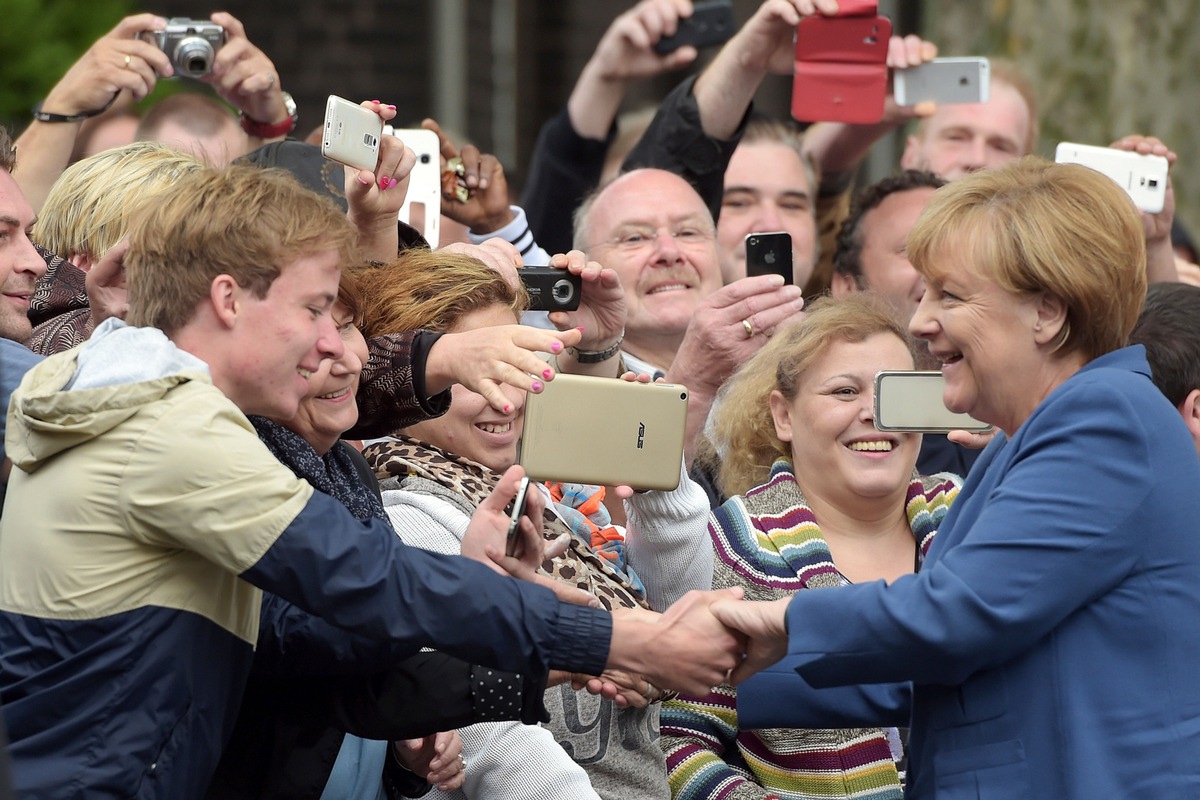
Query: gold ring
[(127, 60), (749, 328)]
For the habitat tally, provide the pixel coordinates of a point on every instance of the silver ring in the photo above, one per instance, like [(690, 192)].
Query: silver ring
[(749, 328), (462, 761), (127, 60), (650, 691), (270, 79)]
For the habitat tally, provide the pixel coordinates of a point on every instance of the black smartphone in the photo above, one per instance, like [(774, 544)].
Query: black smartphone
[(551, 289), (711, 23), (769, 253), (516, 511)]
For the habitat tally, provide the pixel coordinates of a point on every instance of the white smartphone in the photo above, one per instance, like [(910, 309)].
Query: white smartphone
[(351, 134), (423, 203), (1143, 177), (943, 80), (911, 400), (605, 431)]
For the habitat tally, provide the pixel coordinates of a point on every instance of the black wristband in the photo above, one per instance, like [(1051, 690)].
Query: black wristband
[(597, 356), (46, 116)]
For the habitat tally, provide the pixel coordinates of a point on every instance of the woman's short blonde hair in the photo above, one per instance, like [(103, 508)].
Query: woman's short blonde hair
[(424, 290), (1035, 226), (740, 428), (87, 210)]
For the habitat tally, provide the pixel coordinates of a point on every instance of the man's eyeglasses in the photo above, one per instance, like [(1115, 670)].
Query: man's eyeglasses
[(635, 239)]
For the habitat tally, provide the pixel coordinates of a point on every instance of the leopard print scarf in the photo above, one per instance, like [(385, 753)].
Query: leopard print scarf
[(411, 464)]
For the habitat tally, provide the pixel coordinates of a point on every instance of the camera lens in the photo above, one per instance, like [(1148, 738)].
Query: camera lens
[(424, 158), (193, 56), (563, 291)]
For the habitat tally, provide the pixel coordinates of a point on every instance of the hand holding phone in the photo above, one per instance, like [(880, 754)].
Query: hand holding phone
[(515, 512), (711, 23), (351, 134), (840, 72), (1143, 177)]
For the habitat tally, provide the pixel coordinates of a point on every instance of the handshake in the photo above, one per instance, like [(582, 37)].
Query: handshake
[(703, 640)]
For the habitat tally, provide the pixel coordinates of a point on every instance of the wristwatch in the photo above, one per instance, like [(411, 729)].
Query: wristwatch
[(272, 130)]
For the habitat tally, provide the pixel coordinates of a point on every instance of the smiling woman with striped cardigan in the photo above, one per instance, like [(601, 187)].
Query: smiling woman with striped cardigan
[(818, 498)]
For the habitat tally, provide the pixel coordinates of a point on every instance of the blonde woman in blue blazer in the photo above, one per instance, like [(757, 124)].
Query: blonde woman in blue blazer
[(1051, 637)]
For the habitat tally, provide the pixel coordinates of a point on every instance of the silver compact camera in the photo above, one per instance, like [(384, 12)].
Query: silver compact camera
[(191, 44)]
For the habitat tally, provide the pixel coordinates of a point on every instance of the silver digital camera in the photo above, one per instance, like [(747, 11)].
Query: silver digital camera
[(191, 44)]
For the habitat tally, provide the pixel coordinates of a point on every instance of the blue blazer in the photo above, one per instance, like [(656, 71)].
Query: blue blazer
[(1053, 633)]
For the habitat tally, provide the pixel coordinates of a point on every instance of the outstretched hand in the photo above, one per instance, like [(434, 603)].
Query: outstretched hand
[(486, 539), (602, 308), (118, 60), (626, 51), (688, 649), (904, 52), (764, 624), (484, 360), (764, 44)]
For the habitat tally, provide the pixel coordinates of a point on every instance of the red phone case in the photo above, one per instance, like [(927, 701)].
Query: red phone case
[(841, 69)]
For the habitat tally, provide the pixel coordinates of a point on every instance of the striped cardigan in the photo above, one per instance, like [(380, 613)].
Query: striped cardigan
[(768, 542)]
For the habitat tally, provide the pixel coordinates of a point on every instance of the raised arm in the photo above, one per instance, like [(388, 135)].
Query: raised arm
[(117, 61), (571, 147)]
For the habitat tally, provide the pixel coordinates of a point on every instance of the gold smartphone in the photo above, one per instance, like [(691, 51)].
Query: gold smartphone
[(911, 400), (606, 432)]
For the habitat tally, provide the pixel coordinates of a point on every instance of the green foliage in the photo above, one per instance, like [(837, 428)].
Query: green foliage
[(40, 39)]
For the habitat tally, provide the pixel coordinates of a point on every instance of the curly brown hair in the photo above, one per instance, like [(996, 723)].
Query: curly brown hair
[(740, 428)]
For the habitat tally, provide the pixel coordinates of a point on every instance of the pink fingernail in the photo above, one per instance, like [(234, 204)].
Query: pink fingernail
[(383, 183), (364, 181), (374, 101), (554, 348), (580, 329), (393, 108), (546, 373), (507, 408), (537, 386)]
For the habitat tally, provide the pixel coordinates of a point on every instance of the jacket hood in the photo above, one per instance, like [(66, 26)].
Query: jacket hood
[(73, 397)]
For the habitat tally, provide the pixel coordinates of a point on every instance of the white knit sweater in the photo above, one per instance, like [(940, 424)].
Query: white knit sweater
[(668, 546)]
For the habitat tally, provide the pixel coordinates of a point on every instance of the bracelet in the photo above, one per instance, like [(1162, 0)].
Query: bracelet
[(596, 356), (46, 116)]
